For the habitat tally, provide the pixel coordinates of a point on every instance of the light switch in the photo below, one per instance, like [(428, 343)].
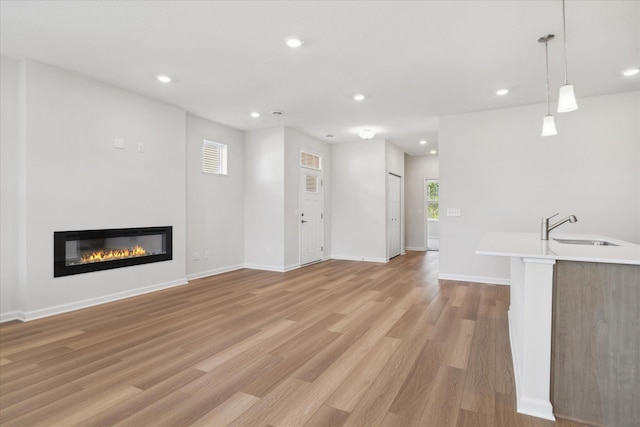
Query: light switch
[(140, 148), (118, 143), (453, 212)]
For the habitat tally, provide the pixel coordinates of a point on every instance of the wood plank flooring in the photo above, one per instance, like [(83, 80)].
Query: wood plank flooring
[(337, 343)]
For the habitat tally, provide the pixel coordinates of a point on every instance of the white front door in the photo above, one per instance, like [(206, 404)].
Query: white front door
[(393, 215), (311, 216)]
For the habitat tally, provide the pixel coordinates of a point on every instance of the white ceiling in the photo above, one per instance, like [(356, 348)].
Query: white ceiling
[(414, 60)]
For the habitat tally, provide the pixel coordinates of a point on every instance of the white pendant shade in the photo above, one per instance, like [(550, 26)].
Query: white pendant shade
[(549, 126), (567, 99)]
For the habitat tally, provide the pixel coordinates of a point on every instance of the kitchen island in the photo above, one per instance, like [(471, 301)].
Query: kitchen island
[(560, 290)]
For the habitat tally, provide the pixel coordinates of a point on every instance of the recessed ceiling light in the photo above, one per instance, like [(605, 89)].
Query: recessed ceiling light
[(433, 152), (358, 97), (502, 92), (423, 142), (293, 42), (255, 114), (164, 79), (631, 72)]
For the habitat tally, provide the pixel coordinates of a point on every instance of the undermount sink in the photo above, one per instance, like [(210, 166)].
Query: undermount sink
[(585, 242)]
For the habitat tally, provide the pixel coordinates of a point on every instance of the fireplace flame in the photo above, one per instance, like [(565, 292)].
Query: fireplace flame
[(113, 254)]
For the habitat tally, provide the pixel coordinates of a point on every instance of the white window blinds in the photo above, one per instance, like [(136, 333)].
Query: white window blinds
[(214, 158), (310, 161), (311, 184)]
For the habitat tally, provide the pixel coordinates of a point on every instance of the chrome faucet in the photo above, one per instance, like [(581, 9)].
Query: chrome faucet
[(546, 228)]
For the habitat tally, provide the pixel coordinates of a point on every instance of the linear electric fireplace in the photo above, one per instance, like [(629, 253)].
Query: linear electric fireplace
[(76, 252)]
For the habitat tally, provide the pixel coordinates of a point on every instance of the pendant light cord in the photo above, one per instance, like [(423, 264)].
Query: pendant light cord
[(564, 43), (545, 40), (546, 54)]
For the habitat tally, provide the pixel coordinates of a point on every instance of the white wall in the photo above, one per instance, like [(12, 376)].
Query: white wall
[(74, 179), (215, 203), (417, 169), (9, 186), (358, 201), (264, 199), (504, 176), (294, 143)]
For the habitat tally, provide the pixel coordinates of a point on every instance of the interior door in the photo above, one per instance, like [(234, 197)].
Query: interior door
[(394, 225), (311, 216)]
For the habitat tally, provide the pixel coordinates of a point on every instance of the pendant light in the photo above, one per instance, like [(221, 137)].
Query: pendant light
[(566, 99), (548, 124)]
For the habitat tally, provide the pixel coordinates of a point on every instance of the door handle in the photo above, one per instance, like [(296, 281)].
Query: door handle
[(303, 221)]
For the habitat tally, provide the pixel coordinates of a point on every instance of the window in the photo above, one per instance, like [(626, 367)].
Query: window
[(311, 161), (311, 184), (433, 203), (214, 158)]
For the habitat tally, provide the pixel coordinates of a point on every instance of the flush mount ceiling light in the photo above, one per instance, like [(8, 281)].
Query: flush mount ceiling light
[(502, 92), (423, 142), (293, 42), (548, 124), (631, 72), (255, 114), (358, 97), (567, 99), (366, 134), (164, 79)]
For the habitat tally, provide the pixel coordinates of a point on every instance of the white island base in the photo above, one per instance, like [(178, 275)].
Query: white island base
[(530, 317), (532, 264)]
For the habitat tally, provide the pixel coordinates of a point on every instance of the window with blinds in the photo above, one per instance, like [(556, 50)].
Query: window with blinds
[(214, 158), (311, 184), (311, 161)]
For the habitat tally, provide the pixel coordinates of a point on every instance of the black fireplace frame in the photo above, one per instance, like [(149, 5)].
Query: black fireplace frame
[(61, 237)]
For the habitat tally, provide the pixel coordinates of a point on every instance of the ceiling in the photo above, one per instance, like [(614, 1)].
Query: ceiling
[(415, 61)]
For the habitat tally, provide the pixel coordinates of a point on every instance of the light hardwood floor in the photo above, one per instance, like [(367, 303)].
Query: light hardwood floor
[(335, 343)]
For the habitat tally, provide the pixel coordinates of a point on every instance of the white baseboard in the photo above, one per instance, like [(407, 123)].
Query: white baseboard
[(475, 279), (291, 267), (11, 315), (264, 267), (65, 308), (355, 258), (214, 272), (415, 248)]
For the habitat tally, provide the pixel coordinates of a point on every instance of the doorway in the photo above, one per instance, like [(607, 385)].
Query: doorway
[(394, 224), (432, 214), (311, 216)]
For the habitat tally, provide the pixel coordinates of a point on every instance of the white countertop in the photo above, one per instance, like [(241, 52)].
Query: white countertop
[(529, 245)]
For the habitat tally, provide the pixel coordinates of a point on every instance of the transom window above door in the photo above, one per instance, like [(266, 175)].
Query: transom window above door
[(311, 161)]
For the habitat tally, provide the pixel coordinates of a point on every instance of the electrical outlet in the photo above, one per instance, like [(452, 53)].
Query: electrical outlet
[(196, 256), (453, 212)]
